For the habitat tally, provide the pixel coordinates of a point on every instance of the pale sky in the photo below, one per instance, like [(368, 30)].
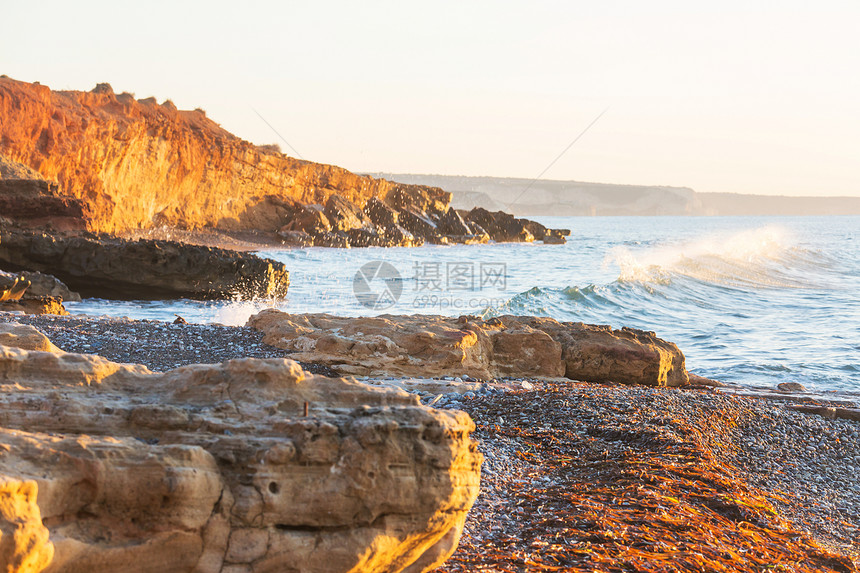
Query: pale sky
[(737, 95)]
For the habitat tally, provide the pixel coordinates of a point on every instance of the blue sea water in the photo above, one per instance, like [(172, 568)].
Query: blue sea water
[(750, 300)]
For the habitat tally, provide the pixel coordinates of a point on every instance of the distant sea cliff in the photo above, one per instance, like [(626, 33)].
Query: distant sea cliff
[(525, 197)]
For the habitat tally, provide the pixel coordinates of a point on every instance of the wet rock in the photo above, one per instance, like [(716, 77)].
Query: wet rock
[(696, 380), (144, 269), (434, 346), (295, 238), (107, 467), (367, 238), (335, 239), (791, 387), (397, 235), (345, 215), (469, 239), (381, 214), (420, 226), (830, 412), (501, 226), (450, 223), (308, 219), (538, 231), (542, 233), (418, 199), (555, 236)]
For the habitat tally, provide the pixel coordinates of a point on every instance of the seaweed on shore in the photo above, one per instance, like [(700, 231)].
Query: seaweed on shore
[(616, 493)]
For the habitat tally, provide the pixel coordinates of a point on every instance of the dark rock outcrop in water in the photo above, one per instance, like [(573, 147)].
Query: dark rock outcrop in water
[(145, 269), (409, 217)]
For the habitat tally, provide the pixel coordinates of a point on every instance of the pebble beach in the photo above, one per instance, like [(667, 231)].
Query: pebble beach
[(588, 477)]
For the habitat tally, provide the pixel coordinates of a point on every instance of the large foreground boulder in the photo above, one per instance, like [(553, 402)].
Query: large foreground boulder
[(251, 465), (428, 346), (143, 269)]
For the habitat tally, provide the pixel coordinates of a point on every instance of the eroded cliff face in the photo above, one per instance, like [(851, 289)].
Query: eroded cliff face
[(139, 165)]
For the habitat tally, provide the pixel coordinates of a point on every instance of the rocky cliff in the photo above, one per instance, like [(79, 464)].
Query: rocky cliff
[(140, 164), (125, 165)]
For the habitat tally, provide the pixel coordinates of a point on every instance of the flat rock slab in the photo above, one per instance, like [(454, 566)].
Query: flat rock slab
[(831, 412), (144, 269), (507, 346), (250, 465)]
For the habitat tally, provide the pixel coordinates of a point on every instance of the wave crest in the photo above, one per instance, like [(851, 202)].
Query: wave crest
[(763, 257)]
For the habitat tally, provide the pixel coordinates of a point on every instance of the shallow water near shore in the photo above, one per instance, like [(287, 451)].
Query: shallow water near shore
[(753, 301)]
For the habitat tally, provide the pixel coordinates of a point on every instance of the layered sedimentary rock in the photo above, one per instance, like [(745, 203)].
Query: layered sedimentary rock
[(143, 269), (427, 346), (251, 465), (130, 164), (38, 203), (27, 198)]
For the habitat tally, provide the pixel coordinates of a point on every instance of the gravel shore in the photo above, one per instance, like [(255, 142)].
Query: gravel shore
[(585, 477), (609, 458), (159, 346)]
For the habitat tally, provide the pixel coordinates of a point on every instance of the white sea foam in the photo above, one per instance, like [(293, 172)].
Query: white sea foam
[(237, 313), (763, 257)]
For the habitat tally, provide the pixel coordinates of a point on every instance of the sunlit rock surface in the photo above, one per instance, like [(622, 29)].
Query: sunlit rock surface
[(214, 468), (113, 163), (427, 346)]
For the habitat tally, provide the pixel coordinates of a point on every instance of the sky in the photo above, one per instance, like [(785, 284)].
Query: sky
[(738, 96)]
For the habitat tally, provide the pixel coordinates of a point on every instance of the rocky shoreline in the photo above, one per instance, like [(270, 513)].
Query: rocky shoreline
[(510, 444), (596, 477)]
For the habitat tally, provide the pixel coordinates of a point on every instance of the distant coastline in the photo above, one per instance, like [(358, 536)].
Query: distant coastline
[(523, 197)]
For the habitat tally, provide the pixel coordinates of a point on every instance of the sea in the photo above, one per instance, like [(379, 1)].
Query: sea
[(751, 301)]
